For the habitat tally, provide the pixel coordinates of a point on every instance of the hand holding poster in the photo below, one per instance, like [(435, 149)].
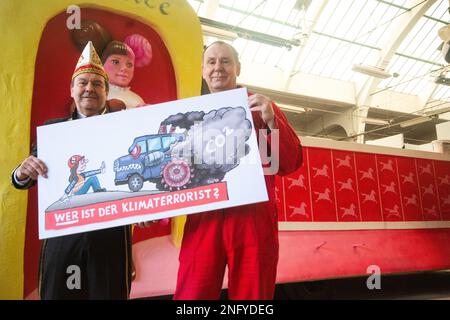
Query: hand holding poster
[(170, 159)]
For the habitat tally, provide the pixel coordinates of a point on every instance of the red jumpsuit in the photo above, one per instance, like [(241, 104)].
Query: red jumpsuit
[(244, 237)]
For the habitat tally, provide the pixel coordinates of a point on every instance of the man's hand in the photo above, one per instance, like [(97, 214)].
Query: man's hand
[(262, 104), (103, 167), (31, 167)]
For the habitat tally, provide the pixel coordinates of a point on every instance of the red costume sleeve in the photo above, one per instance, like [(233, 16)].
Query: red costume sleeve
[(290, 155)]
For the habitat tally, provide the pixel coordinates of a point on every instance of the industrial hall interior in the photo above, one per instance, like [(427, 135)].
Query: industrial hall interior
[(369, 71)]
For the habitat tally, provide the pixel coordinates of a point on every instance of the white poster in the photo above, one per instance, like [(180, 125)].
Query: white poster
[(158, 161)]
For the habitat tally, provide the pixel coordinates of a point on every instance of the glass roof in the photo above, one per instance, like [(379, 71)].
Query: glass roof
[(336, 34)]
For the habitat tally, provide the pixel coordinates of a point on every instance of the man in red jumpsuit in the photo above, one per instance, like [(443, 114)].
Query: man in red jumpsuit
[(246, 237)]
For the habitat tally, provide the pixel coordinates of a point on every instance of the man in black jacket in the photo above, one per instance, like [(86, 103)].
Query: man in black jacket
[(101, 258)]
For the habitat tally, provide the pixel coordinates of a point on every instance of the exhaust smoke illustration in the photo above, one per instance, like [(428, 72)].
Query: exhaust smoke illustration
[(208, 146)]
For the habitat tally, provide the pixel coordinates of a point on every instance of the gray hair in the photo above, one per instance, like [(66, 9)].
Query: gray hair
[(233, 50)]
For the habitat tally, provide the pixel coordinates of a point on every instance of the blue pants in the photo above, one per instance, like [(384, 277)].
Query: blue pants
[(92, 181)]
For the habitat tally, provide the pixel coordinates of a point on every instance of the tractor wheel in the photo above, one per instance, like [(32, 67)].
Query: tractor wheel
[(176, 174)]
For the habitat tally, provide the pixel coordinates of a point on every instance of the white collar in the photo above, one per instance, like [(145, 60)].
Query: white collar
[(119, 88), (82, 116)]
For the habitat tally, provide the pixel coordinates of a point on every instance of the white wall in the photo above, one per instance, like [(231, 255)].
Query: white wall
[(443, 131), (264, 76), (421, 147), (396, 101), (261, 75), (325, 88), (395, 141)]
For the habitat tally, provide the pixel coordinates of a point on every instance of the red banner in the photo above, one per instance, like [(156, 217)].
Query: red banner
[(348, 186), (135, 206)]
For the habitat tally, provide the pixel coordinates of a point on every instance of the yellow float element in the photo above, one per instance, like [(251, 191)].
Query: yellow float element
[(22, 24)]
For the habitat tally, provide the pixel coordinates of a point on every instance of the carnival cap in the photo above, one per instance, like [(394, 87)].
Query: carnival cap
[(89, 62)]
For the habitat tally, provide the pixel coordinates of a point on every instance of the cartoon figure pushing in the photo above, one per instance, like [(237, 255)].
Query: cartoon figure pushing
[(81, 181)]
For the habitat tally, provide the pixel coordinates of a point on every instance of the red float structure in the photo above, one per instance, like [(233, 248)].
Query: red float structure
[(348, 208), (352, 206)]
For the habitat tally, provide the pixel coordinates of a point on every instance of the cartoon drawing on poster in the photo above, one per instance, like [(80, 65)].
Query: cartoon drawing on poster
[(80, 181), (195, 159)]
